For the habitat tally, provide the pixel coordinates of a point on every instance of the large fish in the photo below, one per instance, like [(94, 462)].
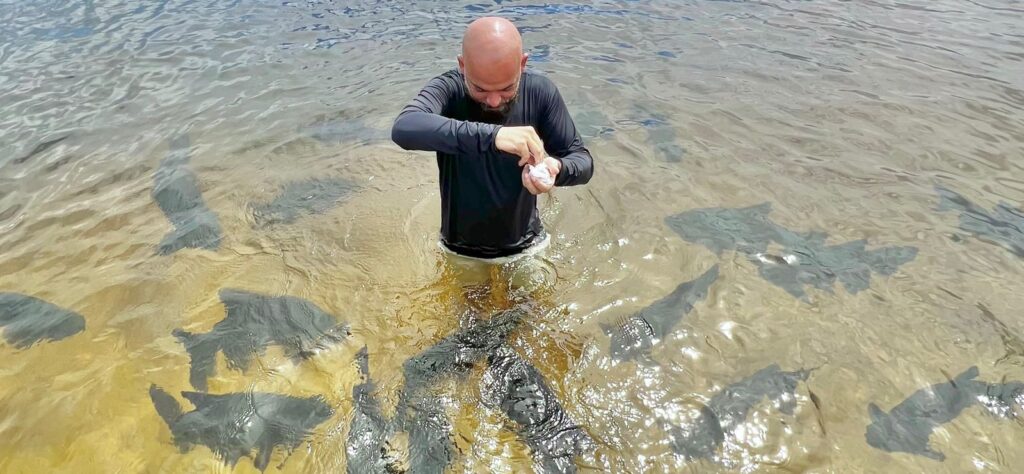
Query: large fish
[(805, 258), (26, 320), (367, 447), (176, 191), (1004, 226), (236, 424), (255, 322), (299, 198), (908, 425), (519, 390), (727, 409), (636, 335)]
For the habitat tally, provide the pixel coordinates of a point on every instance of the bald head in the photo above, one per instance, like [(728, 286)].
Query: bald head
[(491, 39), (492, 61)]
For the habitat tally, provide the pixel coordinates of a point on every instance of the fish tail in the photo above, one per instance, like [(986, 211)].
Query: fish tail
[(202, 357), (166, 406)]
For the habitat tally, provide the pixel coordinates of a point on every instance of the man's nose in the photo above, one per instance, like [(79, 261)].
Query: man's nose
[(494, 100)]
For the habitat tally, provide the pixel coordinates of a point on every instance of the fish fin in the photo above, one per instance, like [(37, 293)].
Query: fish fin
[(968, 374), (166, 406), (186, 338), (197, 398), (202, 357), (816, 401), (933, 454), (262, 459), (876, 413)]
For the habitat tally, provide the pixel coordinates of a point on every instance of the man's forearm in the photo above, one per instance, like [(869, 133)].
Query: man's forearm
[(418, 130), (577, 168)]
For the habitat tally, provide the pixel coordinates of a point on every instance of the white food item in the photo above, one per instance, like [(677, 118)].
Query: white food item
[(541, 173)]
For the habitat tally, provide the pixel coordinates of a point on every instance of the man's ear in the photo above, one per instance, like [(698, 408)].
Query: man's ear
[(462, 65), (525, 57)]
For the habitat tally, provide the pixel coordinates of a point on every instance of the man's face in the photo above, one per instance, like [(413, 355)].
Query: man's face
[(496, 101), (494, 88)]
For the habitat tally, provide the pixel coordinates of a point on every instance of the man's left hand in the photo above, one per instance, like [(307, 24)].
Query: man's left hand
[(534, 185)]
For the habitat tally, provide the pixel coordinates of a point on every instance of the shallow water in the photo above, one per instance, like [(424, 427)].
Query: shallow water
[(852, 120)]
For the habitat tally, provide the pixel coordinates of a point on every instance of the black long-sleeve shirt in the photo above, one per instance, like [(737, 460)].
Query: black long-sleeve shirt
[(485, 210)]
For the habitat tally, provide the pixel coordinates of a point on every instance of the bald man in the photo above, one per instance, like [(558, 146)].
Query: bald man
[(489, 121)]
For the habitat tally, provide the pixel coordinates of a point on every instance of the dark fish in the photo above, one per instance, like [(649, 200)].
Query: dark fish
[(663, 138), (26, 320), (518, 389), (40, 148), (591, 123), (907, 427), (1013, 344), (1004, 226), (729, 408), (747, 229), (176, 191), (343, 130), (236, 424), (807, 261), (313, 196), (820, 266), (255, 322), (420, 413), (459, 352), (367, 445), (635, 336)]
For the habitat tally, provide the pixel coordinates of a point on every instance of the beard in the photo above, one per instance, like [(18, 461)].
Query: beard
[(500, 112), (495, 114)]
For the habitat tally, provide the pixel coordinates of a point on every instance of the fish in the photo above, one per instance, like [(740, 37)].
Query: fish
[(748, 230), (459, 352), (255, 322), (424, 415), (300, 198), (27, 320), (805, 259), (176, 192), (636, 335), (420, 412), (1004, 226), (340, 130), (39, 149), (234, 425), (516, 388), (727, 409), (821, 266), (908, 426), (366, 447)]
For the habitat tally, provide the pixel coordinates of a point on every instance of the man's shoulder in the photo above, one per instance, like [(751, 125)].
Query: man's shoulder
[(451, 80), (452, 75), (540, 86), (538, 80)]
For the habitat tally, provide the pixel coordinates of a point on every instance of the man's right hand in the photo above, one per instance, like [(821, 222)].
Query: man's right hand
[(521, 141)]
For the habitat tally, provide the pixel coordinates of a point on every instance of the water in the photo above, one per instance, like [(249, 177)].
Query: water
[(851, 120)]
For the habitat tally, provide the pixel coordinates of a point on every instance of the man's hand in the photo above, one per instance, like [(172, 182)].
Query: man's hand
[(521, 141), (536, 186)]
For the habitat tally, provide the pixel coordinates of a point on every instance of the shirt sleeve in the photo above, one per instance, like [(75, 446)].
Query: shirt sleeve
[(562, 141), (422, 126)]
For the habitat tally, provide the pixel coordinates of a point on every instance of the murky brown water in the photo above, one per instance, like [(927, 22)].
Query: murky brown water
[(844, 116)]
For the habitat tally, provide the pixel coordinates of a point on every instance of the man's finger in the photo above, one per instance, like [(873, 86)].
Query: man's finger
[(528, 182), (523, 150), (536, 150)]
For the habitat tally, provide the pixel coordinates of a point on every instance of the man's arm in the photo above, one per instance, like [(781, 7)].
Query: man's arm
[(421, 125), (563, 142)]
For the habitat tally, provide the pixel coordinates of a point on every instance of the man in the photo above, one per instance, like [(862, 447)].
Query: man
[(487, 121)]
